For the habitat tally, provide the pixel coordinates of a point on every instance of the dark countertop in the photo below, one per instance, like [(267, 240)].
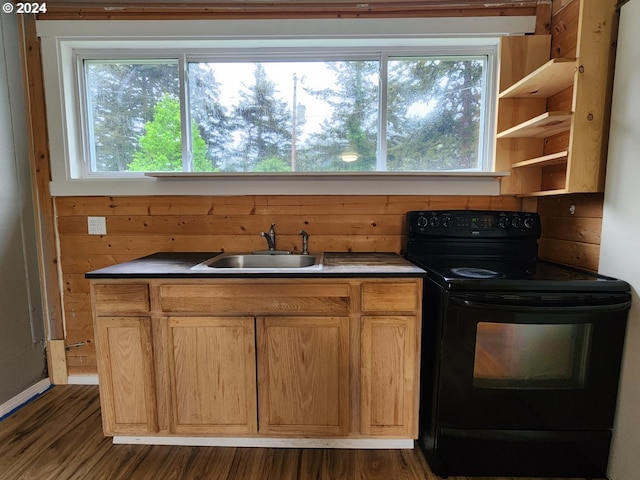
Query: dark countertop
[(178, 265)]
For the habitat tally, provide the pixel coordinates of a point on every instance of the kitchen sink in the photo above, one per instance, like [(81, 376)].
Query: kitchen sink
[(262, 262)]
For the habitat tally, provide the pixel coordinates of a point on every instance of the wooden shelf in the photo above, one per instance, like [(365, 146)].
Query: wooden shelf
[(542, 126), (551, 78), (544, 161), (544, 193)]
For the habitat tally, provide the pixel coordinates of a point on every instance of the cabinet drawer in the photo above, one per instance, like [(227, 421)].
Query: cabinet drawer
[(121, 298), (390, 297), (256, 299)]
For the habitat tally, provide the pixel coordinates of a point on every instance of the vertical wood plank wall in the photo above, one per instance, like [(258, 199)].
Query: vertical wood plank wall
[(138, 226)]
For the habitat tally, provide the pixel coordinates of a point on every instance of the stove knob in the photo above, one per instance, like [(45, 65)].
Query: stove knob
[(434, 221), (529, 222), (446, 222), (503, 222), (422, 221), (516, 222)]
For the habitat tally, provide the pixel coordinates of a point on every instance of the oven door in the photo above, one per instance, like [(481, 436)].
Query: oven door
[(535, 362)]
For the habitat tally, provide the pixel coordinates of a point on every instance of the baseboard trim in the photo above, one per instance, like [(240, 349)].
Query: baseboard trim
[(24, 397), (346, 443), (89, 379)]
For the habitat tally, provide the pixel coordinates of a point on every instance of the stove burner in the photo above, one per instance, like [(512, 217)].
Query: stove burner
[(471, 272)]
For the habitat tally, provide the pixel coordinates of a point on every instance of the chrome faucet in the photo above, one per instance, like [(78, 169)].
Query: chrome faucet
[(305, 242), (270, 237)]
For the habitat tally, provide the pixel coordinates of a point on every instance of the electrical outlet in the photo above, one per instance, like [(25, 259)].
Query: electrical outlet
[(97, 225)]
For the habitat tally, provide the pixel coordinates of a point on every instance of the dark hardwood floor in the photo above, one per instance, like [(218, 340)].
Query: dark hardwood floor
[(59, 436)]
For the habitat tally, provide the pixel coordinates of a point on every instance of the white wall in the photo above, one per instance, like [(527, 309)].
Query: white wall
[(620, 248), (22, 359)]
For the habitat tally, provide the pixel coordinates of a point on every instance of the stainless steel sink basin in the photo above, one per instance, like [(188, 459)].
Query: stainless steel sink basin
[(262, 262)]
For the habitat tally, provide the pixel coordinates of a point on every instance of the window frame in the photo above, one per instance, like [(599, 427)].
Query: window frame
[(183, 59), (66, 97), (82, 165)]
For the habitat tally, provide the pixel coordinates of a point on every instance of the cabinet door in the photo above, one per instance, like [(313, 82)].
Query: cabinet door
[(303, 375), (389, 365), (127, 380), (212, 373)]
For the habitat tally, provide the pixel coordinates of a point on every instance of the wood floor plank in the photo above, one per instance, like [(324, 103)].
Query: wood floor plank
[(34, 447), (59, 437), (377, 465), (311, 464), (335, 464), (249, 464)]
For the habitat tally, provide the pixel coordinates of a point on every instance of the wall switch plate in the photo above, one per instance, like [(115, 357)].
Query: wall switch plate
[(97, 225)]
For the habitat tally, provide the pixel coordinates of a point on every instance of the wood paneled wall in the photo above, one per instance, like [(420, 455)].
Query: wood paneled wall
[(138, 226), (571, 227), (571, 224)]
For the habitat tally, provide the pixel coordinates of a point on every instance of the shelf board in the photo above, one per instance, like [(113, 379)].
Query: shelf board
[(544, 161), (543, 193), (542, 126), (549, 79)]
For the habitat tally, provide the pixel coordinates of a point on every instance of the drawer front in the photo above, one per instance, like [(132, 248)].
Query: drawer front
[(390, 297), (256, 299), (121, 298)]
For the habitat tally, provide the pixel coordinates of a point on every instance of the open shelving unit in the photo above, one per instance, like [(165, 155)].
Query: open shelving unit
[(552, 125)]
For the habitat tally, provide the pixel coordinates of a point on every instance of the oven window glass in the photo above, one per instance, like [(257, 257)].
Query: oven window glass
[(531, 356)]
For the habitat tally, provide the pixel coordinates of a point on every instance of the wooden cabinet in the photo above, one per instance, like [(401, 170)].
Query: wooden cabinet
[(389, 366), (127, 380), (303, 375), (124, 347), (553, 112), (389, 357), (259, 358), (212, 375)]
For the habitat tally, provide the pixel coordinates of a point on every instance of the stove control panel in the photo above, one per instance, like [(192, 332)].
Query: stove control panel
[(473, 223)]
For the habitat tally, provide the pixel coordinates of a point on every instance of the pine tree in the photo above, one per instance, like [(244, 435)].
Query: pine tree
[(263, 124), (445, 133), (353, 125), (211, 116)]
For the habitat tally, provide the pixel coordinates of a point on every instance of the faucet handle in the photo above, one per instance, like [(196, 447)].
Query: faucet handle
[(270, 237), (305, 242)]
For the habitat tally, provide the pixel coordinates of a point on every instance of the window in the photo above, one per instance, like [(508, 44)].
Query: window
[(370, 112), (337, 104), (132, 114)]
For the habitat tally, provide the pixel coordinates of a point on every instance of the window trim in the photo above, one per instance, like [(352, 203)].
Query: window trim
[(63, 93)]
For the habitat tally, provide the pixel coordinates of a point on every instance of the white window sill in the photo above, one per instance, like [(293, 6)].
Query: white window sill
[(182, 183)]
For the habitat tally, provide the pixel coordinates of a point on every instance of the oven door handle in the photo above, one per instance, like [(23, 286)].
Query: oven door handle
[(511, 305)]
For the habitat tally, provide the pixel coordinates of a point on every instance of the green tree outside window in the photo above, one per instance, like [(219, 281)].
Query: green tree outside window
[(161, 144)]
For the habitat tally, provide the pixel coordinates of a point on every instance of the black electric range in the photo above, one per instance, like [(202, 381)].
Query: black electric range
[(520, 358), (477, 250)]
